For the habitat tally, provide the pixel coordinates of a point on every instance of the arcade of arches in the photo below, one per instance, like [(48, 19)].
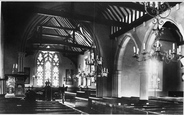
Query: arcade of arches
[(126, 75)]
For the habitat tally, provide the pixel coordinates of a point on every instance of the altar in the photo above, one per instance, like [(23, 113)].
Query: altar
[(15, 85)]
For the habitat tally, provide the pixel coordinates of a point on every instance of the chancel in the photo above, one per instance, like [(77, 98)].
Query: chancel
[(91, 57)]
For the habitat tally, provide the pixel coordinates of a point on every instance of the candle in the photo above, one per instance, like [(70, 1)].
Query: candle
[(16, 66), (96, 57), (157, 44), (179, 49), (92, 55), (134, 49), (101, 59), (137, 50), (144, 46), (173, 46), (169, 52)]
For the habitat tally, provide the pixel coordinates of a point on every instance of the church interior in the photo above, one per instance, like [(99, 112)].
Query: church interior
[(71, 57)]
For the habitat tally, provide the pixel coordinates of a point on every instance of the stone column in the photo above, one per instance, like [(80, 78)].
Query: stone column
[(99, 87), (182, 72), (115, 83), (2, 82), (105, 89), (143, 80), (21, 56)]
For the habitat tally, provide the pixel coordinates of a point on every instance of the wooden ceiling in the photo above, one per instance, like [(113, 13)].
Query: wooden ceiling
[(64, 25)]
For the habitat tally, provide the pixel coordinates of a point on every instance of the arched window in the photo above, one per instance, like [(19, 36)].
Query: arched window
[(48, 68)]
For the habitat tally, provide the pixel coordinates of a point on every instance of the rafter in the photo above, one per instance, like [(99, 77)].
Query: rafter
[(54, 35), (63, 27), (56, 27), (136, 23), (130, 5), (79, 17), (54, 49), (50, 41)]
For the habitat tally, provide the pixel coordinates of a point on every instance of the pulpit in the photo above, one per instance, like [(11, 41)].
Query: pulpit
[(15, 85)]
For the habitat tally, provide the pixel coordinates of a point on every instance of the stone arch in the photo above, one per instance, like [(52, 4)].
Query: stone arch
[(149, 39), (121, 48), (122, 76)]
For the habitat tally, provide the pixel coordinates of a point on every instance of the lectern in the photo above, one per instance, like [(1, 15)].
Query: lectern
[(15, 85)]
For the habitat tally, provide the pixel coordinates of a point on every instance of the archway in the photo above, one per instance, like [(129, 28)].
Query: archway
[(165, 75), (66, 36), (127, 73)]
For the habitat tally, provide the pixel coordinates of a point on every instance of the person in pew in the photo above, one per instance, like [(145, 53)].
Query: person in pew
[(62, 92), (30, 96)]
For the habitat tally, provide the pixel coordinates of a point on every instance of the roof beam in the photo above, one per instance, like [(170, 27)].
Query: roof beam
[(50, 41), (56, 27), (54, 35), (134, 6), (54, 49), (79, 17), (136, 23), (130, 5)]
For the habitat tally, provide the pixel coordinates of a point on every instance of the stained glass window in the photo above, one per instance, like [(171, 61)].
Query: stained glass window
[(48, 68)]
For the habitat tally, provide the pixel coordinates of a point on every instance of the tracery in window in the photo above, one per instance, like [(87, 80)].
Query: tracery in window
[(48, 68)]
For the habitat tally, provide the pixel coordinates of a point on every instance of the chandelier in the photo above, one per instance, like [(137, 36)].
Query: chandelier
[(158, 10)]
